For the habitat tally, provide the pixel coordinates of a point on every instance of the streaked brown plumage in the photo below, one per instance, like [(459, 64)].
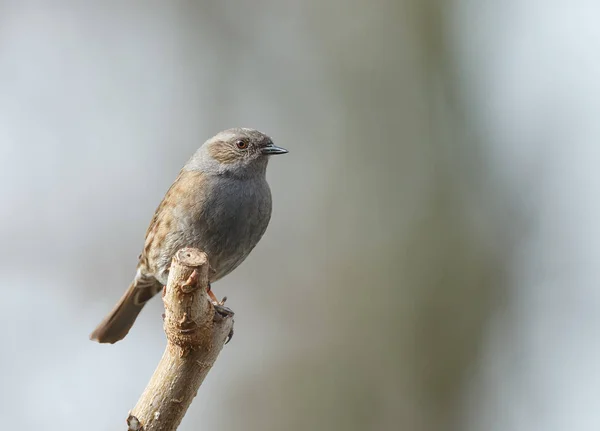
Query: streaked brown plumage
[(219, 203)]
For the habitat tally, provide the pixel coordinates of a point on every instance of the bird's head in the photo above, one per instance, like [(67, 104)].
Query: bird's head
[(238, 152)]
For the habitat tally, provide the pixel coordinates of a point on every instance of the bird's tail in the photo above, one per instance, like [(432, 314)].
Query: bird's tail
[(117, 324)]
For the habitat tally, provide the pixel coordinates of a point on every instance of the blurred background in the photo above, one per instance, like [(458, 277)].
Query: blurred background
[(431, 263)]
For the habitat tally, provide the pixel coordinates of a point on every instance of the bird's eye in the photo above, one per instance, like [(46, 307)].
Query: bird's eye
[(241, 144)]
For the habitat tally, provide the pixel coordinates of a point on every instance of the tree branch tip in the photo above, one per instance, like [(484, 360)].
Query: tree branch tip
[(191, 257)]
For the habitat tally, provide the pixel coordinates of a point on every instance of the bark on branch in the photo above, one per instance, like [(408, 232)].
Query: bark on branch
[(196, 332)]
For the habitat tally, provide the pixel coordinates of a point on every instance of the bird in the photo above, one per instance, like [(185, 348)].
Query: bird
[(219, 203)]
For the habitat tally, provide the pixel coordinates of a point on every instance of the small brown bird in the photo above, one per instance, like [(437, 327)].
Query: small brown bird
[(220, 203)]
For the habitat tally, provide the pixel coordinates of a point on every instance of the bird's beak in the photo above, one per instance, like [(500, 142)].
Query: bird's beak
[(271, 150)]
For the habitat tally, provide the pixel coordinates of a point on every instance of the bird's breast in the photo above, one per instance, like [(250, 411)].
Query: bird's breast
[(228, 221)]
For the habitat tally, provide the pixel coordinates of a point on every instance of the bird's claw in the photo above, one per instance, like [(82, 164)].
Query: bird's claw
[(223, 311), (214, 299), (229, 336)]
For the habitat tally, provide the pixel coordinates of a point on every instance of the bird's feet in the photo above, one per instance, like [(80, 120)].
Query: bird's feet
[(221, 310), (224, 312), (214, 299)]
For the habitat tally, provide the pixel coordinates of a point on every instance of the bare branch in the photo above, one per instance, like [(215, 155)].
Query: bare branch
[(196, 333)]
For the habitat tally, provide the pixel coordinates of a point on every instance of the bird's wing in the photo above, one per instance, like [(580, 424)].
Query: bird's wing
[(162, 212), (164, 224)]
